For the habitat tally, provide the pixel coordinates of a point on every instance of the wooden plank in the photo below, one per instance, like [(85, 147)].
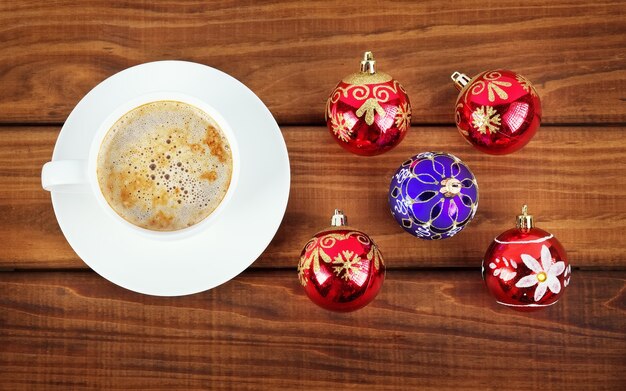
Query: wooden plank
[(426, 330), (292, 53), (569, 176)]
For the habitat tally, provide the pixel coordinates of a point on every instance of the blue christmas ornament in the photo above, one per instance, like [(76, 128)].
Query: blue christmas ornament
[(433, 195)]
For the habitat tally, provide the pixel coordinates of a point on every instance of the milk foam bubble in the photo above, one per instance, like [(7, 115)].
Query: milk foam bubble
[(164, 166)]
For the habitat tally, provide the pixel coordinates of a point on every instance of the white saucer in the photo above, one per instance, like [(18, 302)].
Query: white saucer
[(241, 231)]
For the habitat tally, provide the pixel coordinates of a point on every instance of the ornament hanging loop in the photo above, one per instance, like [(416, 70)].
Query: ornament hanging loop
[(460, 80), (524, 221), (450, 187), (368, 65), (339, 219)]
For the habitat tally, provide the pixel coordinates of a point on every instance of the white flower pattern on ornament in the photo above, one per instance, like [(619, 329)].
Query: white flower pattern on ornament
[(505, 273), (545, 274)]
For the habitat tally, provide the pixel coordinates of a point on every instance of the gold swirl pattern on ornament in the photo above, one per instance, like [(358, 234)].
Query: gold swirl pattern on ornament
[(357, 92), (477, 88), (493, 85), (315, 247), (493, 75), (330, 240), (362, 238), (383, 92), (457, 119), (362, 78)]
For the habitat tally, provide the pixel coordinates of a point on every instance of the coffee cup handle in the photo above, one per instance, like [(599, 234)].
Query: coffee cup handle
[(65, 176)]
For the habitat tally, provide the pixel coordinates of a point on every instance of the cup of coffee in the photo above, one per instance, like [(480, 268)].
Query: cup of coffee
[(164, 164)]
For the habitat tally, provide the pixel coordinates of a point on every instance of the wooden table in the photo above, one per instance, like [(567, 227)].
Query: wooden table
[(433, 326)]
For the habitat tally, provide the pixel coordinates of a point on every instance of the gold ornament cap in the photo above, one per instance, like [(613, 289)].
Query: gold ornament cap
[(367, 73), (339, 219), (450, 187), (524, 221), (368, 65), (460, 80)]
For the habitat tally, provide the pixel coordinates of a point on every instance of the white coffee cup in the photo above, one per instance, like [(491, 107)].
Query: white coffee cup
[(80, 176)]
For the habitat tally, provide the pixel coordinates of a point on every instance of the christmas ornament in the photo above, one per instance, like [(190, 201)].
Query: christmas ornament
[(341, 269), (498, 112), (526, 267), (433, 195), (368, 112)]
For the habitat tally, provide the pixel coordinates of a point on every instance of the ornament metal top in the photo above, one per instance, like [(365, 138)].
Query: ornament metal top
[(497, 112), (341, 268), (433, 195), (526, 268), (368, 112)]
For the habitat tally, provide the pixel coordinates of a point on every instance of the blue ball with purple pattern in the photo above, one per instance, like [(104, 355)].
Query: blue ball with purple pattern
[(433, 195)]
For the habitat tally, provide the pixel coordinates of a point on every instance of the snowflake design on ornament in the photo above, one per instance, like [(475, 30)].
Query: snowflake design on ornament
[(506, 272), (340, 127), (403, 117), (350, 264), (526, 85), (486, 119), (545, 274)]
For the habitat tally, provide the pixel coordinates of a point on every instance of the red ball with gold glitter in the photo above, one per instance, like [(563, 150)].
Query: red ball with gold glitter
[(341, 268), (368, 112), (526, 268), (498, 112)]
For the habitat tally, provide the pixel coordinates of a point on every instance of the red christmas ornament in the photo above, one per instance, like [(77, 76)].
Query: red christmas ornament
[(341, 269), (498, 112), (526, 268), (369, 112)]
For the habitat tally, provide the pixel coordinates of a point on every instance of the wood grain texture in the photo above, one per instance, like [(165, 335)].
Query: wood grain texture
[(426, 330), (569, 176), (292, 53)]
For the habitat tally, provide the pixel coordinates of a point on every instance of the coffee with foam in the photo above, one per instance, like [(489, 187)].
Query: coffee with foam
[(164, 166)]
